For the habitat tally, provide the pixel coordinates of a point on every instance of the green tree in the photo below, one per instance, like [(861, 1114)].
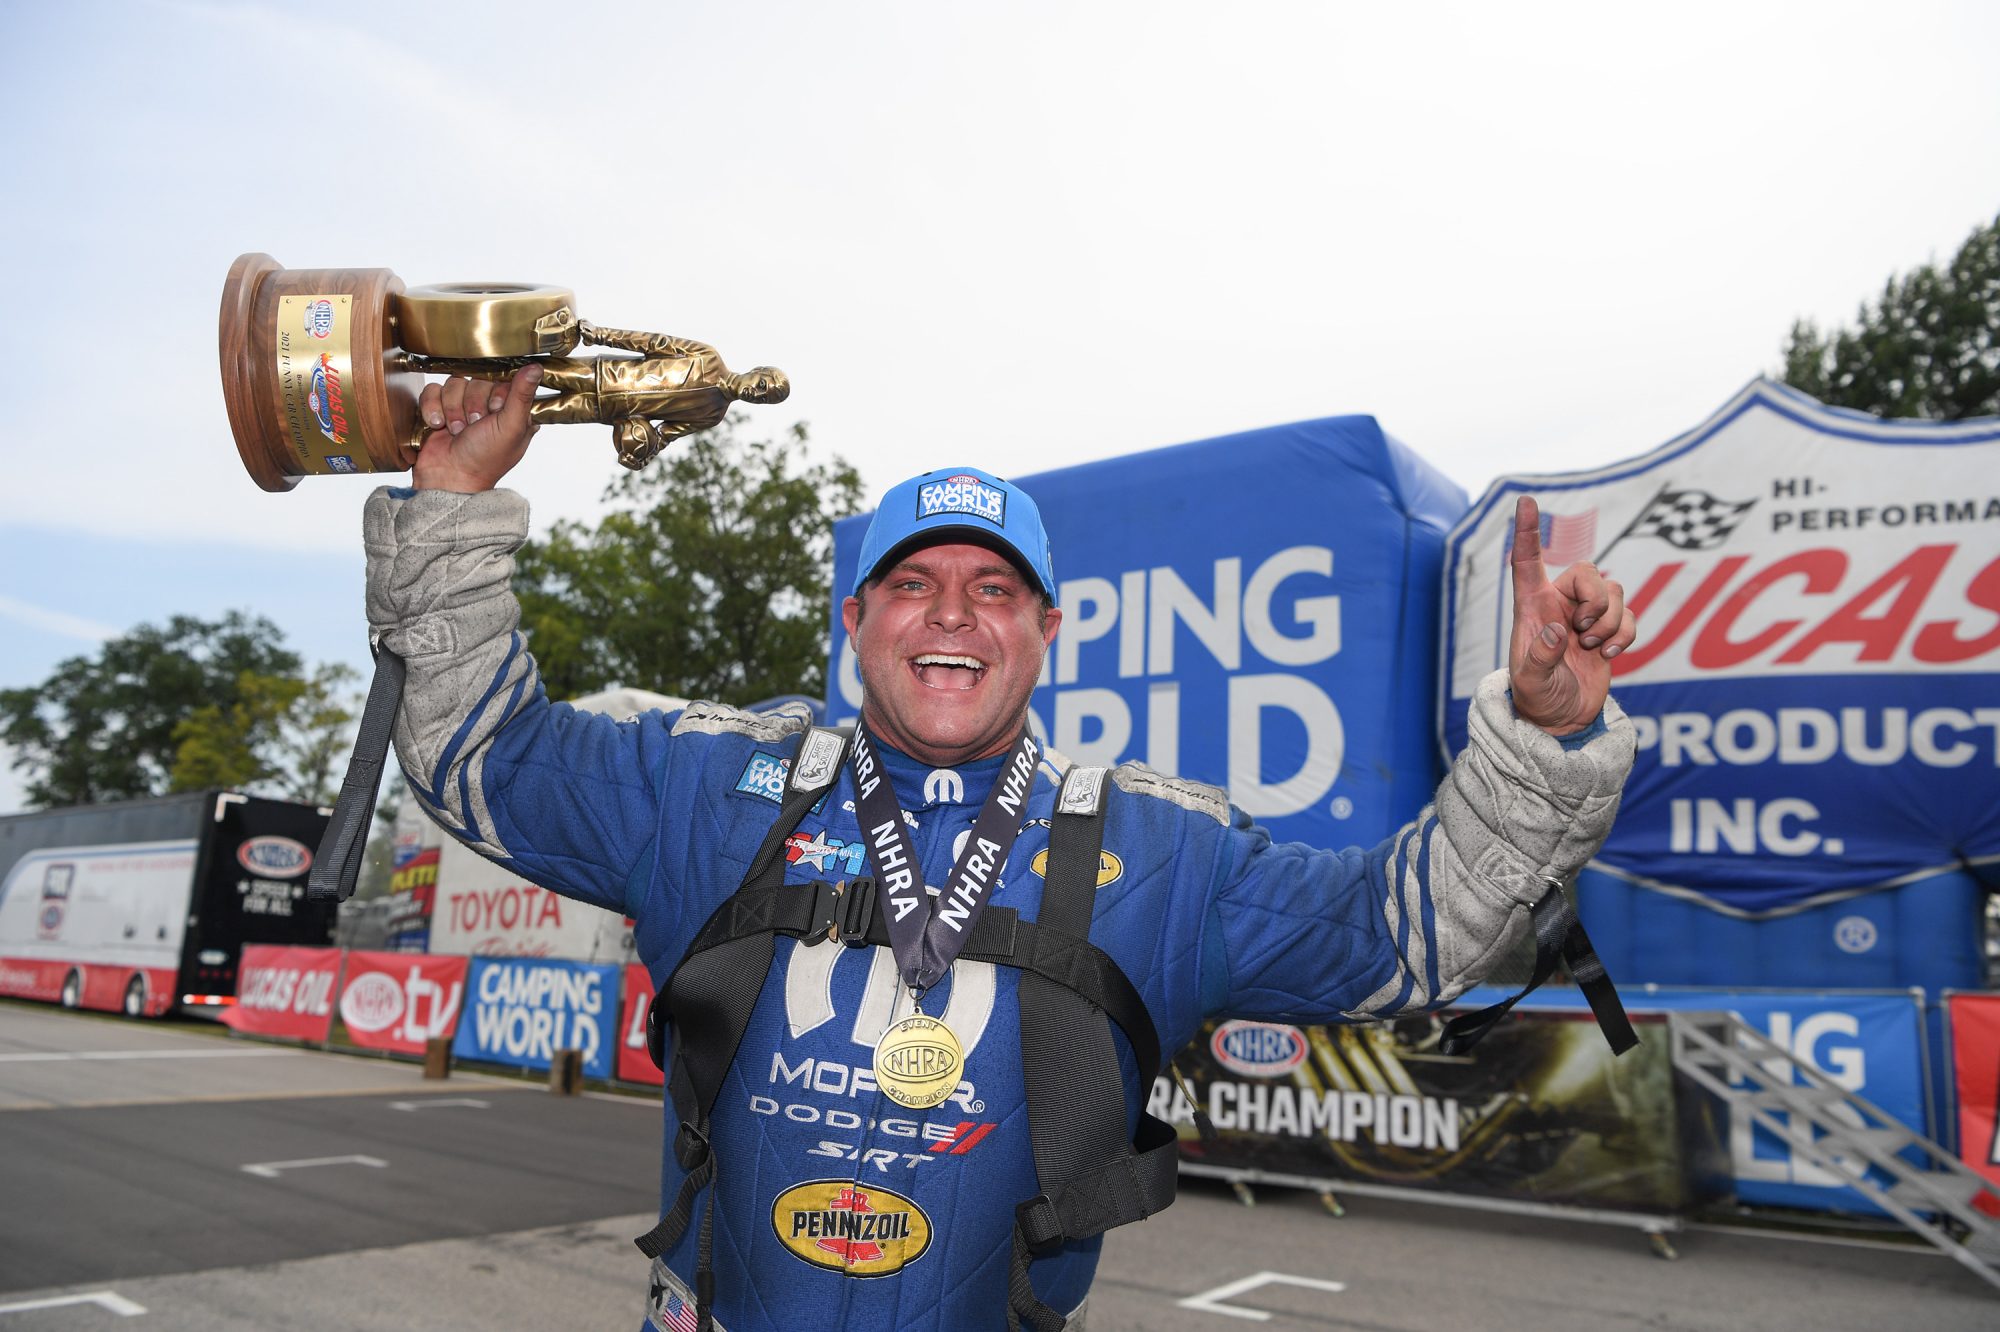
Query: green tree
[(103, 728), (1927, 348), (280, 734), (709, 579)]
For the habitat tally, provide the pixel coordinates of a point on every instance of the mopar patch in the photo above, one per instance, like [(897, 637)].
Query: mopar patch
[(1258, 1049), (963, 494), (839, 1225), (1109, 867), (764, 776)]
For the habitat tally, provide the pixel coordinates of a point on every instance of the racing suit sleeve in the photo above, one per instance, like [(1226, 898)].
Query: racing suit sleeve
[(1309, 935), (567, 799)]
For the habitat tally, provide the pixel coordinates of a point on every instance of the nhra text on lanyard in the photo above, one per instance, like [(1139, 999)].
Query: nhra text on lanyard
[(925, 934)]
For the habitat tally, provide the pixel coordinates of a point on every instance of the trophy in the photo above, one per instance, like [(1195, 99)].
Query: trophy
[(321, 367)]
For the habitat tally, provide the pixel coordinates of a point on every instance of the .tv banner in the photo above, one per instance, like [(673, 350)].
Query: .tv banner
[(401, 1001), (1975, 1057), (634, 1064), (522, 1010), (283, 991), (1541, 1111), (1813, 687)]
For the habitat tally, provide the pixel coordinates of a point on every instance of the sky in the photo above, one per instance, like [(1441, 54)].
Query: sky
[(1532, 237)]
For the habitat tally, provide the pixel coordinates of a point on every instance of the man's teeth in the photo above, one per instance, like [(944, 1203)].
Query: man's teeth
[(936, 659)]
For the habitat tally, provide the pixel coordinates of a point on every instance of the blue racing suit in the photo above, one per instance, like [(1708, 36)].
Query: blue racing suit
[(659, 817)]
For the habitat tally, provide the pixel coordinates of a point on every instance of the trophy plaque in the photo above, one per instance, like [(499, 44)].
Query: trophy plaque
[(321, 367)]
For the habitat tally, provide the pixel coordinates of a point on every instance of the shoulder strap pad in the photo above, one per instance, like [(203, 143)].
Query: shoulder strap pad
[(818, 763)]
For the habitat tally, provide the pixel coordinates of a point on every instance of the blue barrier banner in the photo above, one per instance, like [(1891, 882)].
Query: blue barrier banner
[(522, 1010), (1869, 1044), (1258, 612), (1816, 685)]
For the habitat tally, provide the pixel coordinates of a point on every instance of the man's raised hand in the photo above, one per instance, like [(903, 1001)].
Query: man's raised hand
[(477, 430), (1565, 633)]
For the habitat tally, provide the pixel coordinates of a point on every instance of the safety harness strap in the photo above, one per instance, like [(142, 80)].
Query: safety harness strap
[(1093, 1176), (1558, 936)]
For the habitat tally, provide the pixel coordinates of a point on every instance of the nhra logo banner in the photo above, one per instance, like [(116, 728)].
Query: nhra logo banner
[(285, 992), (401, 1001), (523, 1010), (1257, 612), (1816, 685)]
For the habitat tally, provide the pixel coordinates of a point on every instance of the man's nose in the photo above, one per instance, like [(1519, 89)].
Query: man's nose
[(951, 610)]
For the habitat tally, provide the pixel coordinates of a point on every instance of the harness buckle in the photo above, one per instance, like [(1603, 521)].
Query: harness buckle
[(854, 912), (690, 1147), (1040, 1225)]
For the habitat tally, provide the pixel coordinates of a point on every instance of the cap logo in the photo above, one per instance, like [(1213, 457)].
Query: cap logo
[(962, 494)]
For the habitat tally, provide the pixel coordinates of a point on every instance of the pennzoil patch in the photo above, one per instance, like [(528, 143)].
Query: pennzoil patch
[(846, 1227)]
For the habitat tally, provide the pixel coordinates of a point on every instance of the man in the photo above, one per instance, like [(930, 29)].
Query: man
[(897, 1112)]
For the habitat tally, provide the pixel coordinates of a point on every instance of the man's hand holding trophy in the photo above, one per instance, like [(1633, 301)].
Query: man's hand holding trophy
[(323, 371)]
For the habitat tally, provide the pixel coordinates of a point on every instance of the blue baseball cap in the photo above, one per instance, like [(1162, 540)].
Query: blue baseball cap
[(958, 504)]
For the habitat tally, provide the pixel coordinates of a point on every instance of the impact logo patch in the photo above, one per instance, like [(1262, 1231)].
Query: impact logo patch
[(963, 494), (1109, 867), (861, 1232), (826, 854), (1258, 1049), (764, 777), (274, 857)]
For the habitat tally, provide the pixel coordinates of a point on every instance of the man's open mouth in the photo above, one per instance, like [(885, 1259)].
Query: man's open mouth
[(940, 671)]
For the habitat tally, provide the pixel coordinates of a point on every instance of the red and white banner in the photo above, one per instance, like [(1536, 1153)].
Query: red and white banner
[(399, 1001), (285, 992), (634, 1064), (1975, 1060)]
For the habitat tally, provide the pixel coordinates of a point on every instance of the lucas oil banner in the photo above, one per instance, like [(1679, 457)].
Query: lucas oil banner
[(521, 1012), (1816, 685), (1257, 612)]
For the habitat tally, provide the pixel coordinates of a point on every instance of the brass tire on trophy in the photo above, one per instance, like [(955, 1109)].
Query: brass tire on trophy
[(377, 397), (464, 320)]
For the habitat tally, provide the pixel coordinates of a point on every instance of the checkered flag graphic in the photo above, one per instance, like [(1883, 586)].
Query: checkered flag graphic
[(1690, 519)]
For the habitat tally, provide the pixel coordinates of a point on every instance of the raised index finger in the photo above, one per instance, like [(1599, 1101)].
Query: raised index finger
[(1529, 576)]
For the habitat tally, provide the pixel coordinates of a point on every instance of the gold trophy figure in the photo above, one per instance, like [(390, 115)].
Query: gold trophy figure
[(672, 387), (321, 368)]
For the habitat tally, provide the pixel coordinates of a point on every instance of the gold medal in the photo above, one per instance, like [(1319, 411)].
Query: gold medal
[(918, 1062)]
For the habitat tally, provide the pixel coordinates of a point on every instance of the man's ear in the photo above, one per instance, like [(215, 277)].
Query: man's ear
[(1051, 621), (850, 615)]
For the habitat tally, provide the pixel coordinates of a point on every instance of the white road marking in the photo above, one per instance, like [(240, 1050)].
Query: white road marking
[(270, 1169), (105, 1299), (1210, 1301), (427, 1104), (52, 1056)]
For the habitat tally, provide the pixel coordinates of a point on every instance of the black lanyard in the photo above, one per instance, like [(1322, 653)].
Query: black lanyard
[(926, 935)]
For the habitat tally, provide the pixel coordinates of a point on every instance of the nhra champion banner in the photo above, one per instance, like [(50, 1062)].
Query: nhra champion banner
[(1540, 1111), (521, 1011), (1258, 612), (401, 1001), (1816, 685), (285, 992)]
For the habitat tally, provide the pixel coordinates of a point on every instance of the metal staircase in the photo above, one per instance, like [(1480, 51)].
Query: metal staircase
[(1843, 1134)]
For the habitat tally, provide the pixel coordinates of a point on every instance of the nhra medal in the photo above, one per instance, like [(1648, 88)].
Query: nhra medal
[(917, 1062)]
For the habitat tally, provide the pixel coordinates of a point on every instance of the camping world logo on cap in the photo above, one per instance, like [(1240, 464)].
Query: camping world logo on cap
[(963, 493), (1258, 1049)]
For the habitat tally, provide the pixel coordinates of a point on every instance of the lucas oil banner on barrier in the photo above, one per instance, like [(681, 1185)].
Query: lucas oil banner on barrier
[(1816, 685), (521, 1011), (1258, 612), (285, 992), (1540, 1111)]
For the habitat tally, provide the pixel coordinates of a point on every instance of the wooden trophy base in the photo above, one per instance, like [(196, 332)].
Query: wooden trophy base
[(312, 373)]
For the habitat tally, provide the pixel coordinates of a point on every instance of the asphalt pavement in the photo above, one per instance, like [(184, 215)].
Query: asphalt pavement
[(190, 1181)]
